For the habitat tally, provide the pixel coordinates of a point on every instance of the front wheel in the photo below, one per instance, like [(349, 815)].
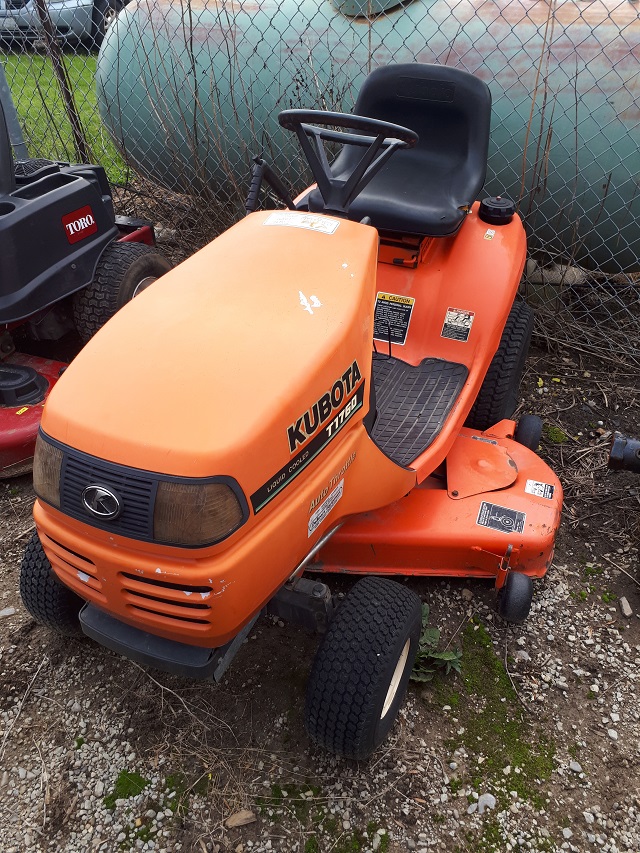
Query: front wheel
[(46, 599), (124, 270), (361, 670)]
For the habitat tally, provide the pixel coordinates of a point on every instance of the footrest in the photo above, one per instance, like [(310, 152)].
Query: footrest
[(412, 403)]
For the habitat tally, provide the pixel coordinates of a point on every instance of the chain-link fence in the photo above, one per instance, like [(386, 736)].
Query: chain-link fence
[(189, 92)]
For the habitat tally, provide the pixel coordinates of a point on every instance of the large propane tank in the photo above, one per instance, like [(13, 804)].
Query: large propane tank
[(190, 91)]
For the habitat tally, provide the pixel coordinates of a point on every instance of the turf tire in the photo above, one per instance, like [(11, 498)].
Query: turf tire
[(498, 395), (355, 666), (46, 599), (121, 269)]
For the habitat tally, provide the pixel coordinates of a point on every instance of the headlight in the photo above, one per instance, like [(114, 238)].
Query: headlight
[(195, 514), (47, 463)]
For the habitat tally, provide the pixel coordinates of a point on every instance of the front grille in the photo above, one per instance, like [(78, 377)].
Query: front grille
[(182, 602), (72, 567), (135, 490)]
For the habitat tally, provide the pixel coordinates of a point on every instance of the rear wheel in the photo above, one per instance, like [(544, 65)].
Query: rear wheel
[(361, 670), (46, 599), (498, 395), (124, 270)]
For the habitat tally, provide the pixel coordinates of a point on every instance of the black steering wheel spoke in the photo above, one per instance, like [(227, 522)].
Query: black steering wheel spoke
[(379, 138)]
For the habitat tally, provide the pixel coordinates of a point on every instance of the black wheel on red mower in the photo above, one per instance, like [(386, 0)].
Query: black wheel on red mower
[(124, 270), (514, 599), (498, 395), (46, 599), (528, 431), (360, 673)]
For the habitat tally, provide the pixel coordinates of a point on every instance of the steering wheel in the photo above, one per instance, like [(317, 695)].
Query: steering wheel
[(379, 138)]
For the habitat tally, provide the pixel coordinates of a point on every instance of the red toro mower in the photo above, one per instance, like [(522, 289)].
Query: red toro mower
[(65, 262), (353, 364)]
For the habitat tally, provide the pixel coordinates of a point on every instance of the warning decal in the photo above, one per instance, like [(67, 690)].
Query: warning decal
[(541, 490), (325, 508), (457, 324), (501, 518), (392, 317)]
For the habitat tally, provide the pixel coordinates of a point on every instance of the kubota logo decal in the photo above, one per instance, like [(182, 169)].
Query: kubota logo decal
[(79, 224), (297, 463), (321, 410)]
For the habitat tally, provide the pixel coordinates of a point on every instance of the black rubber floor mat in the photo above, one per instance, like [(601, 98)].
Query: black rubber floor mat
[(412, 403)]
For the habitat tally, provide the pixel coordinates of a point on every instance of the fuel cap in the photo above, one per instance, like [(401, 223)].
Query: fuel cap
[(497, 210)]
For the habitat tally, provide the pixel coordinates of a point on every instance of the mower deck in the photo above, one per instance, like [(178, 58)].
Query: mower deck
[(464, 532), (19, 420)]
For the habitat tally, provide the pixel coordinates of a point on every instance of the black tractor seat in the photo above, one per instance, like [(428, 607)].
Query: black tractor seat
[(425, 190)]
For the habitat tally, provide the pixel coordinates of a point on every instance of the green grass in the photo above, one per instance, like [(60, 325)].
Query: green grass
[(128, 784), (41, 111), (497, 732)]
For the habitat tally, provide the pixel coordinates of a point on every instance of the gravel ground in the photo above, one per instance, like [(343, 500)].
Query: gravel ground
[(535, 745)]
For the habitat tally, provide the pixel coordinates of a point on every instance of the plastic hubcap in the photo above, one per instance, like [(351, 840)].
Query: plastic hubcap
[(395, 679)]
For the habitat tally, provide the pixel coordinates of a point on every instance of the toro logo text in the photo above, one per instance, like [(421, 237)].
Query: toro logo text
[(79, 224)]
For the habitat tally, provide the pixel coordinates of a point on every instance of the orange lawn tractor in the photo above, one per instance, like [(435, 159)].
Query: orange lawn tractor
[(323, 388)]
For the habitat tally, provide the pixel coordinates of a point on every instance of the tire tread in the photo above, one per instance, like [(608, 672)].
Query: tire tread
[(45, 597), (342, 704), (497, 398), (100, 300)]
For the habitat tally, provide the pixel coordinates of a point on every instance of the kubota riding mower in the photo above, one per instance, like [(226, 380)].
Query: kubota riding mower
[(65, 261), (338, 399)]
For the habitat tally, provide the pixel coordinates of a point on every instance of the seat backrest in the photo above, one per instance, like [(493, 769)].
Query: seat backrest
[(449, 109), (7, 177)]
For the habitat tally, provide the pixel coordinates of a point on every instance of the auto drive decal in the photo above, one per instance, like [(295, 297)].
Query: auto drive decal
[(308, 453)]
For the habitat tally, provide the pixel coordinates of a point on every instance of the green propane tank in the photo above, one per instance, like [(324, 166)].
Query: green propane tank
[(190, 92)]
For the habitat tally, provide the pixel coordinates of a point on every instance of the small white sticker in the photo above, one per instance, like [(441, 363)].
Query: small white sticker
[(489, 234), (540, 490), (309, 221), (325, 508), (457, 324)]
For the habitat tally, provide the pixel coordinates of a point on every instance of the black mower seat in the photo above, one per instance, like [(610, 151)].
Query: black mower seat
[(412, 403), (423, 190)]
